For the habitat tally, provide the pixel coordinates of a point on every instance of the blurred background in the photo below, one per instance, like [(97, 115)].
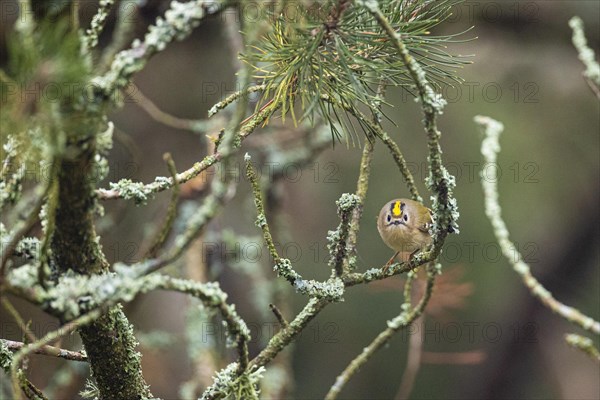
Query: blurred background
[(484, 336)]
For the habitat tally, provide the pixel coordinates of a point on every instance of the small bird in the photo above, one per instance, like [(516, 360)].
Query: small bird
[(403, 225)]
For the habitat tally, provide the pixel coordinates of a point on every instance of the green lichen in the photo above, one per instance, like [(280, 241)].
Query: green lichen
[(28, 247), (261, 221), (284, 268), (97, 24), (346, 203), (228, 385), (6, 357), (332, 289), (132, 190)]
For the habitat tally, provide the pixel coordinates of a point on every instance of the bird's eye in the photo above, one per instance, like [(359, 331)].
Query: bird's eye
[(405, 217), (389, 218)]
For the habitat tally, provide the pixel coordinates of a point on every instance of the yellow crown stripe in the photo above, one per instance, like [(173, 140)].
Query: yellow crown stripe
[(397, 209)]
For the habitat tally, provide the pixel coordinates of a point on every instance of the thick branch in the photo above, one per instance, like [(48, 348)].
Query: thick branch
[(109, 340)]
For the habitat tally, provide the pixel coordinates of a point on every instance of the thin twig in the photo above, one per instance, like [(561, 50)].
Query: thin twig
[(401, 163), (48, 351), (233, 97), (338, 248), (171, 210), (39, 344), (261, 219), (18, 319), (196, 126), (278, 315), (362, 185)]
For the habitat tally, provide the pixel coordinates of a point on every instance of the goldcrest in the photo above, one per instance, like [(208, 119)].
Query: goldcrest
[(403, 225)]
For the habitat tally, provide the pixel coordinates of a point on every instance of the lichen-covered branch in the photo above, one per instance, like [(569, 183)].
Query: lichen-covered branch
[(362, 185), (333, 288), (490, 147), (212, 296), (586, 55), (141, 193), (233, 97), (90, 40), (337, 240), (406, 317), (261, 218), (179, 21)]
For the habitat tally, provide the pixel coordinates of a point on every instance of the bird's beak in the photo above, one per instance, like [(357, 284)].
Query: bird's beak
[(396, 222)]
